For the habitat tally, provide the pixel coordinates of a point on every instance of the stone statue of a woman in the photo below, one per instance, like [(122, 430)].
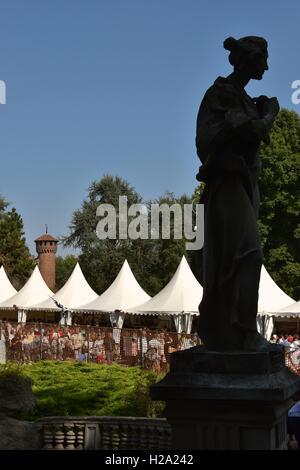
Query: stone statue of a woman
[(230, 127)]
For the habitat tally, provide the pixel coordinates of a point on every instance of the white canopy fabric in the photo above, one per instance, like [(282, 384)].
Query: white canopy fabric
[(75, 292), (271, 297), (117, 318), (183, 322), (123, 293), (182, 294), (7, 290), (265, 325), (35, 290), (292, 310)]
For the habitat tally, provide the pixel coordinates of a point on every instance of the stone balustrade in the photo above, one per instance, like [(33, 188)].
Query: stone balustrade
[(104, 432)]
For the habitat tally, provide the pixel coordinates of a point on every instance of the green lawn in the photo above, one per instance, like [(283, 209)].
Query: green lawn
[(81, 389)]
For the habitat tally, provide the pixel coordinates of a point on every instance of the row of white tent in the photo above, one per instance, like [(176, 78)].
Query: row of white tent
[(179, 298)]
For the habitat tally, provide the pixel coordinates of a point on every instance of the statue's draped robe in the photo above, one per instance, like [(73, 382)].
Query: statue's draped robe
[(230, 261)]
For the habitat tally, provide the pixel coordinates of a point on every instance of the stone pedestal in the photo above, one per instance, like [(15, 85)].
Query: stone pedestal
[(230, 400)]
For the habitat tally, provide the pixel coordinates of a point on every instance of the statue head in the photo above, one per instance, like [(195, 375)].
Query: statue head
[(248, 55)]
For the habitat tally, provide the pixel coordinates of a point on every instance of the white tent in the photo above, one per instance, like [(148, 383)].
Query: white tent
[(122, 294), (271, 297), (35, 290), (75, 292), (180, 297), (6, 288), (292, 311)]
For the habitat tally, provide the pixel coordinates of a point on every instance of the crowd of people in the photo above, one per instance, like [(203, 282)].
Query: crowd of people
[(145, 347), (148, 348), (288, 340), (291, 343)]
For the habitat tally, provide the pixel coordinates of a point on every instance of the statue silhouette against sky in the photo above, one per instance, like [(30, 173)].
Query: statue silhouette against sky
[(230, 127)]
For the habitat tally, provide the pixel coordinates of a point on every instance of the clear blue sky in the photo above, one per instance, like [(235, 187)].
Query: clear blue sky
[(113, 86)]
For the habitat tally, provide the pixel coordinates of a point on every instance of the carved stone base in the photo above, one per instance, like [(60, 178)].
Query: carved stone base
[(232, 400)]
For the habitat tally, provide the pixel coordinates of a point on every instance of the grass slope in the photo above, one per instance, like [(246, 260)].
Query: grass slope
[(81, 389)]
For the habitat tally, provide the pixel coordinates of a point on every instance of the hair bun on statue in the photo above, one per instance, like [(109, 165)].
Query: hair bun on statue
[(230, 43)]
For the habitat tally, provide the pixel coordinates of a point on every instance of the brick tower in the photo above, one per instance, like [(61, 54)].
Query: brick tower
[(46, 247)]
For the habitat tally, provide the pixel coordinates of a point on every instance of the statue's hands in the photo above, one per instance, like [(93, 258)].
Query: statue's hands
[(267, 106), (260, 99), (272, 107), (260, 103), (268, 109)]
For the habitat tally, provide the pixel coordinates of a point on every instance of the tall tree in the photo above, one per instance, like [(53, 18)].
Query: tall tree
[(280, 202), (3, 205), (14, 253), (153, 262), (64, 268), (164, 254), (100, 260)]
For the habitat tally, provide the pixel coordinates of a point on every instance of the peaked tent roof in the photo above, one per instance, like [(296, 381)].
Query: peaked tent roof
[(75, 292), (182, 294), (123, 293), (6, 288), (271, 297), (292, 310), (35, 290)]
